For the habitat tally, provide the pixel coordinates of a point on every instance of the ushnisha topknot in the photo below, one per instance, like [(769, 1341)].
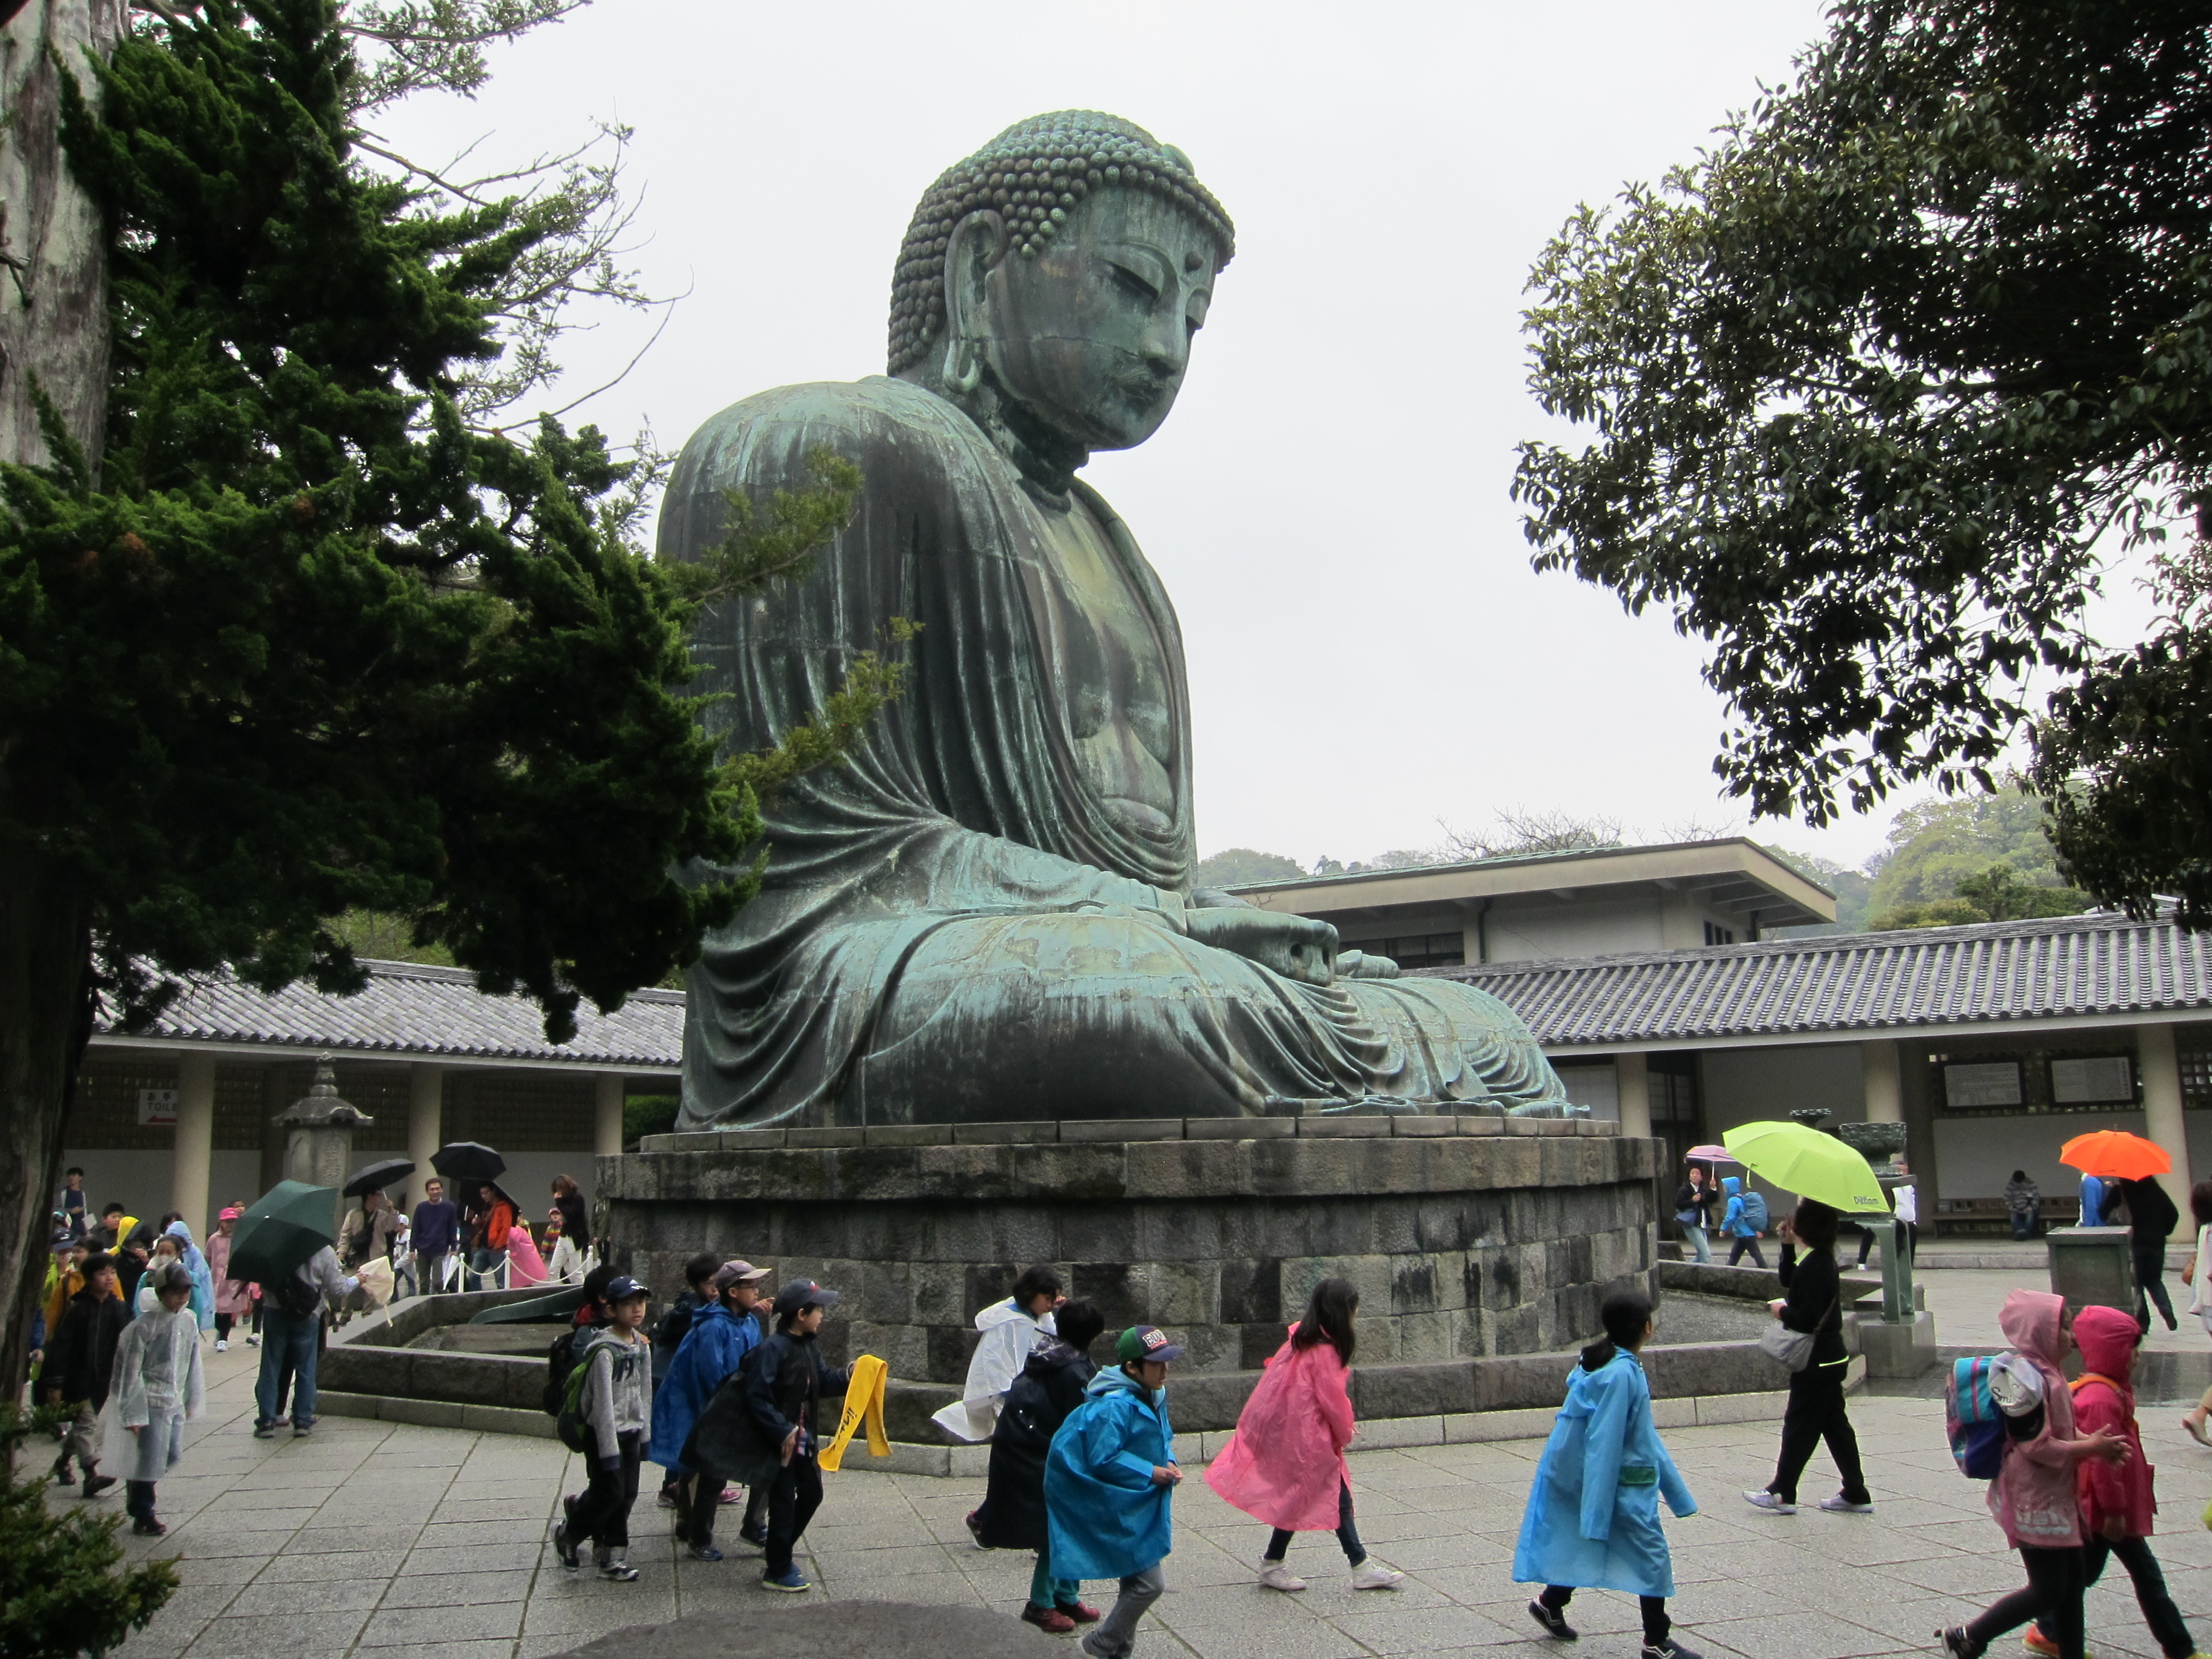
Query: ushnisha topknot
[(1033, 174)]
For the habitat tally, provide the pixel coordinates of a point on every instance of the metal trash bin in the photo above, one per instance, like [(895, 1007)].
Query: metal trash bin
[(2093, 1266)]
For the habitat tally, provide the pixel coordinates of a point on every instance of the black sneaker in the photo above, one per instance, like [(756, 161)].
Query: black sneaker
[(96, 1483), (563, 1545), (756, 1536), (975, 1520), (147, 1526), (1956, 1643), (1554, 1621), (63, 1474), (1670, 1649), (265, 1430)]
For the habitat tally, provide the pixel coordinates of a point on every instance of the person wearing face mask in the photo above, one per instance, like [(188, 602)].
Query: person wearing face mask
[(1109, 1484)]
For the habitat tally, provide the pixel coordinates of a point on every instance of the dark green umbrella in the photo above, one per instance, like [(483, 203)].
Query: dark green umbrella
[(281, 1230)]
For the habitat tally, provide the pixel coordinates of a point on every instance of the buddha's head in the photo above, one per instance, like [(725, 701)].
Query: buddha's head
[(1062, 271)]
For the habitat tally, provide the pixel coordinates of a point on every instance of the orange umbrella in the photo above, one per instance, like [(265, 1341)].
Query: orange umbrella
[(2115, 1152)]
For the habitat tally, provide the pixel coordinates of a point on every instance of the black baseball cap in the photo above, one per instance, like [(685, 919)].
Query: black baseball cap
[(801, 1294)]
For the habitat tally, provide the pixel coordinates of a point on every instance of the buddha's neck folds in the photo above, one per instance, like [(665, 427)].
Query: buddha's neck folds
[(1047, 461)]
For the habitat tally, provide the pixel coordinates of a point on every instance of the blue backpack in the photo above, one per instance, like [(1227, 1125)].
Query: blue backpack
[(1972, 1419), (1754, 1212)]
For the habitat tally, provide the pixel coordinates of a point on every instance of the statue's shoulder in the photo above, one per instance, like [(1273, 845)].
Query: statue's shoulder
[(906, 440), (851, 417)]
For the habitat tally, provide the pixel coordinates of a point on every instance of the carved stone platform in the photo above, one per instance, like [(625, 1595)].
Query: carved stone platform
[(1469, 1237)]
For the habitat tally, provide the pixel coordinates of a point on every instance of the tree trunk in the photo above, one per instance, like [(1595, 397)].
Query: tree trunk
[(45, 959), (53, 287), (53, 329)]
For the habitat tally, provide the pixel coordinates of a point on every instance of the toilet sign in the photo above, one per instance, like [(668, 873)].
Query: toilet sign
[(157, 1106)]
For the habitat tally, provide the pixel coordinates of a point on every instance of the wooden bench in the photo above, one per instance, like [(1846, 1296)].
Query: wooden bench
[(1959, 1216)]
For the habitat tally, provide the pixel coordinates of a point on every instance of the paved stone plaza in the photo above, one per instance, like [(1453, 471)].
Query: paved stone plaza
[(375, 1536)]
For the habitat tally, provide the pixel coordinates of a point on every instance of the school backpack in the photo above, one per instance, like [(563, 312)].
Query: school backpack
[(295, 1296), (1971, 1418), (560, 1362), (1754, 1212), (568, 1421)]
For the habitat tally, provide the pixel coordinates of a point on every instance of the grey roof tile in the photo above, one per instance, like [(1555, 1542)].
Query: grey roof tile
[(2053, 968), (407, 1009)]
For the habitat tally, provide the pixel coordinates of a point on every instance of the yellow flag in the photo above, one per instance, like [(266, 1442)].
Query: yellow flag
[(864, 1401)]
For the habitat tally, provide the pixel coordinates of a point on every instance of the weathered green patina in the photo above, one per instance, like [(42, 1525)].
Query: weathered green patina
[(988, 915)]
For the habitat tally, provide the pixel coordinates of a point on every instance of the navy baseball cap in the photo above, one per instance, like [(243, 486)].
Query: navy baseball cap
[(1146, 1342), (622, 1287), (800, 1294)]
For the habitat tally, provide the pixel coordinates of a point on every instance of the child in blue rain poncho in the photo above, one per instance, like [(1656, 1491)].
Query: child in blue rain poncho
[(1593, 1515)]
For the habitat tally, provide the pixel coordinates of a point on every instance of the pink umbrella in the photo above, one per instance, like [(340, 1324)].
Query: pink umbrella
[(1709, 1155)]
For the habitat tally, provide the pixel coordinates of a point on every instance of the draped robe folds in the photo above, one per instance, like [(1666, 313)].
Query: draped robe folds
[(955, 926)]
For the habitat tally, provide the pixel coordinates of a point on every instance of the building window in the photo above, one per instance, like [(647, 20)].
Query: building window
[(1719, 935), (1416, 950)]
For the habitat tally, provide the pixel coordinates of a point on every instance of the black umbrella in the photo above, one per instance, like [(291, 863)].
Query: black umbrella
[(468, 1160), (376, 1177)]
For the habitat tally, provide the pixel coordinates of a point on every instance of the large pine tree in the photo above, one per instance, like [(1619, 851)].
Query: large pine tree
[(299, 641)]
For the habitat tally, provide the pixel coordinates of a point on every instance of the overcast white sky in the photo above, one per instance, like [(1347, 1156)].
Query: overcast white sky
[(1369, 651)]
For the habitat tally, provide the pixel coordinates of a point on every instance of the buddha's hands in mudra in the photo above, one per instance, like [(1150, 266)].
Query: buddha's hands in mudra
[(1296, 947)]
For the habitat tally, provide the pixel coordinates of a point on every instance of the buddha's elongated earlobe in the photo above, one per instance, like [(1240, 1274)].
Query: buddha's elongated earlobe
[(964, 366), (977, 244)]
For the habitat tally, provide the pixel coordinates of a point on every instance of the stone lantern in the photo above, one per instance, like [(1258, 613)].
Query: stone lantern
[(318, 1132)]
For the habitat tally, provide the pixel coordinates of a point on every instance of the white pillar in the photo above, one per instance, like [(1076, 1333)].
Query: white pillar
[(1884, 1083), (2161, 1091), (192, 1162), (607, 1132), (426, 1103), (1632, 1074)]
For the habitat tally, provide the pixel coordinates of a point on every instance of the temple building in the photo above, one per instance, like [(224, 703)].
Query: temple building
[(180, 1116)]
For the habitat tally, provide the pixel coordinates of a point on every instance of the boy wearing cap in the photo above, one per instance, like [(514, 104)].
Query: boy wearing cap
[(721, 1334), (617, 1402), (784, 1381), (1108, 1484)]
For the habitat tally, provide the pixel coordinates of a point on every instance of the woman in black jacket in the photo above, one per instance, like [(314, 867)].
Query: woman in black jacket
[(1012, 1516), (1815, 1413), (2151, 1221)]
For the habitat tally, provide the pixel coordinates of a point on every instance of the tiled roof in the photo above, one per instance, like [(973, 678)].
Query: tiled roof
[(2052, 969), (407, 1009)]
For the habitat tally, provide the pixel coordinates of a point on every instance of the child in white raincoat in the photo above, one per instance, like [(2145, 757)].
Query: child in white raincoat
[(1010, 1330), (158, 1386), (1593, 1515)]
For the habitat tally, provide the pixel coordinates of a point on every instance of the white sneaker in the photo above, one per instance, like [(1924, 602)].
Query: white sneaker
[(221, 1346), (1769, 1502), (252, 1341), (1275, 1576), (1371, 1574), (1841, 1505)]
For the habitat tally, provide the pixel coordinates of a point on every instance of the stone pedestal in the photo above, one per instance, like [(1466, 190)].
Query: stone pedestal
[(1467, 1237), (1897, 1348), (2091, 1265)]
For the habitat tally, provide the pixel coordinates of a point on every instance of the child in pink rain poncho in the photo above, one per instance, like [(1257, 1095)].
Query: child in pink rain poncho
[(2035, 1496), (1285, 1465), (524, 1264)]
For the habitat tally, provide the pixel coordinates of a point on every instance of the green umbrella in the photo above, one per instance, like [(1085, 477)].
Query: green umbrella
[(1808, 1164), (281, 1230)]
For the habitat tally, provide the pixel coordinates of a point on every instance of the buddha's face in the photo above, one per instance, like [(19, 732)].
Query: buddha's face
[(1091, 337)]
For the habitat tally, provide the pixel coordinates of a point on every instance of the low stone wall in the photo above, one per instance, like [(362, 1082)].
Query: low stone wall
[(1469, 1237), (371, 1355)]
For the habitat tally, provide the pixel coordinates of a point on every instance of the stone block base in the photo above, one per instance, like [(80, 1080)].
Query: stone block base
[(1464, 1245), (1894, 1350)]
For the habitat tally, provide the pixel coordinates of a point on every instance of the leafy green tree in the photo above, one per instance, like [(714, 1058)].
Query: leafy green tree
[(1852, 888), (1999, 893), (1238, 866), (1939, 843), (304, 642), (1869, 381), (60, 1592)]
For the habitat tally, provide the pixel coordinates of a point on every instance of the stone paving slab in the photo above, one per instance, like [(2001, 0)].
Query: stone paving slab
[(374, 1538)]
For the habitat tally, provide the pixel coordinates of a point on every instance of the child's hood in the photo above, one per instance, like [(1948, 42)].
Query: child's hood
[(1001, 1313), (2107, 1338), (2033, 1322), (1731, 1185), (1111, 1378)]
